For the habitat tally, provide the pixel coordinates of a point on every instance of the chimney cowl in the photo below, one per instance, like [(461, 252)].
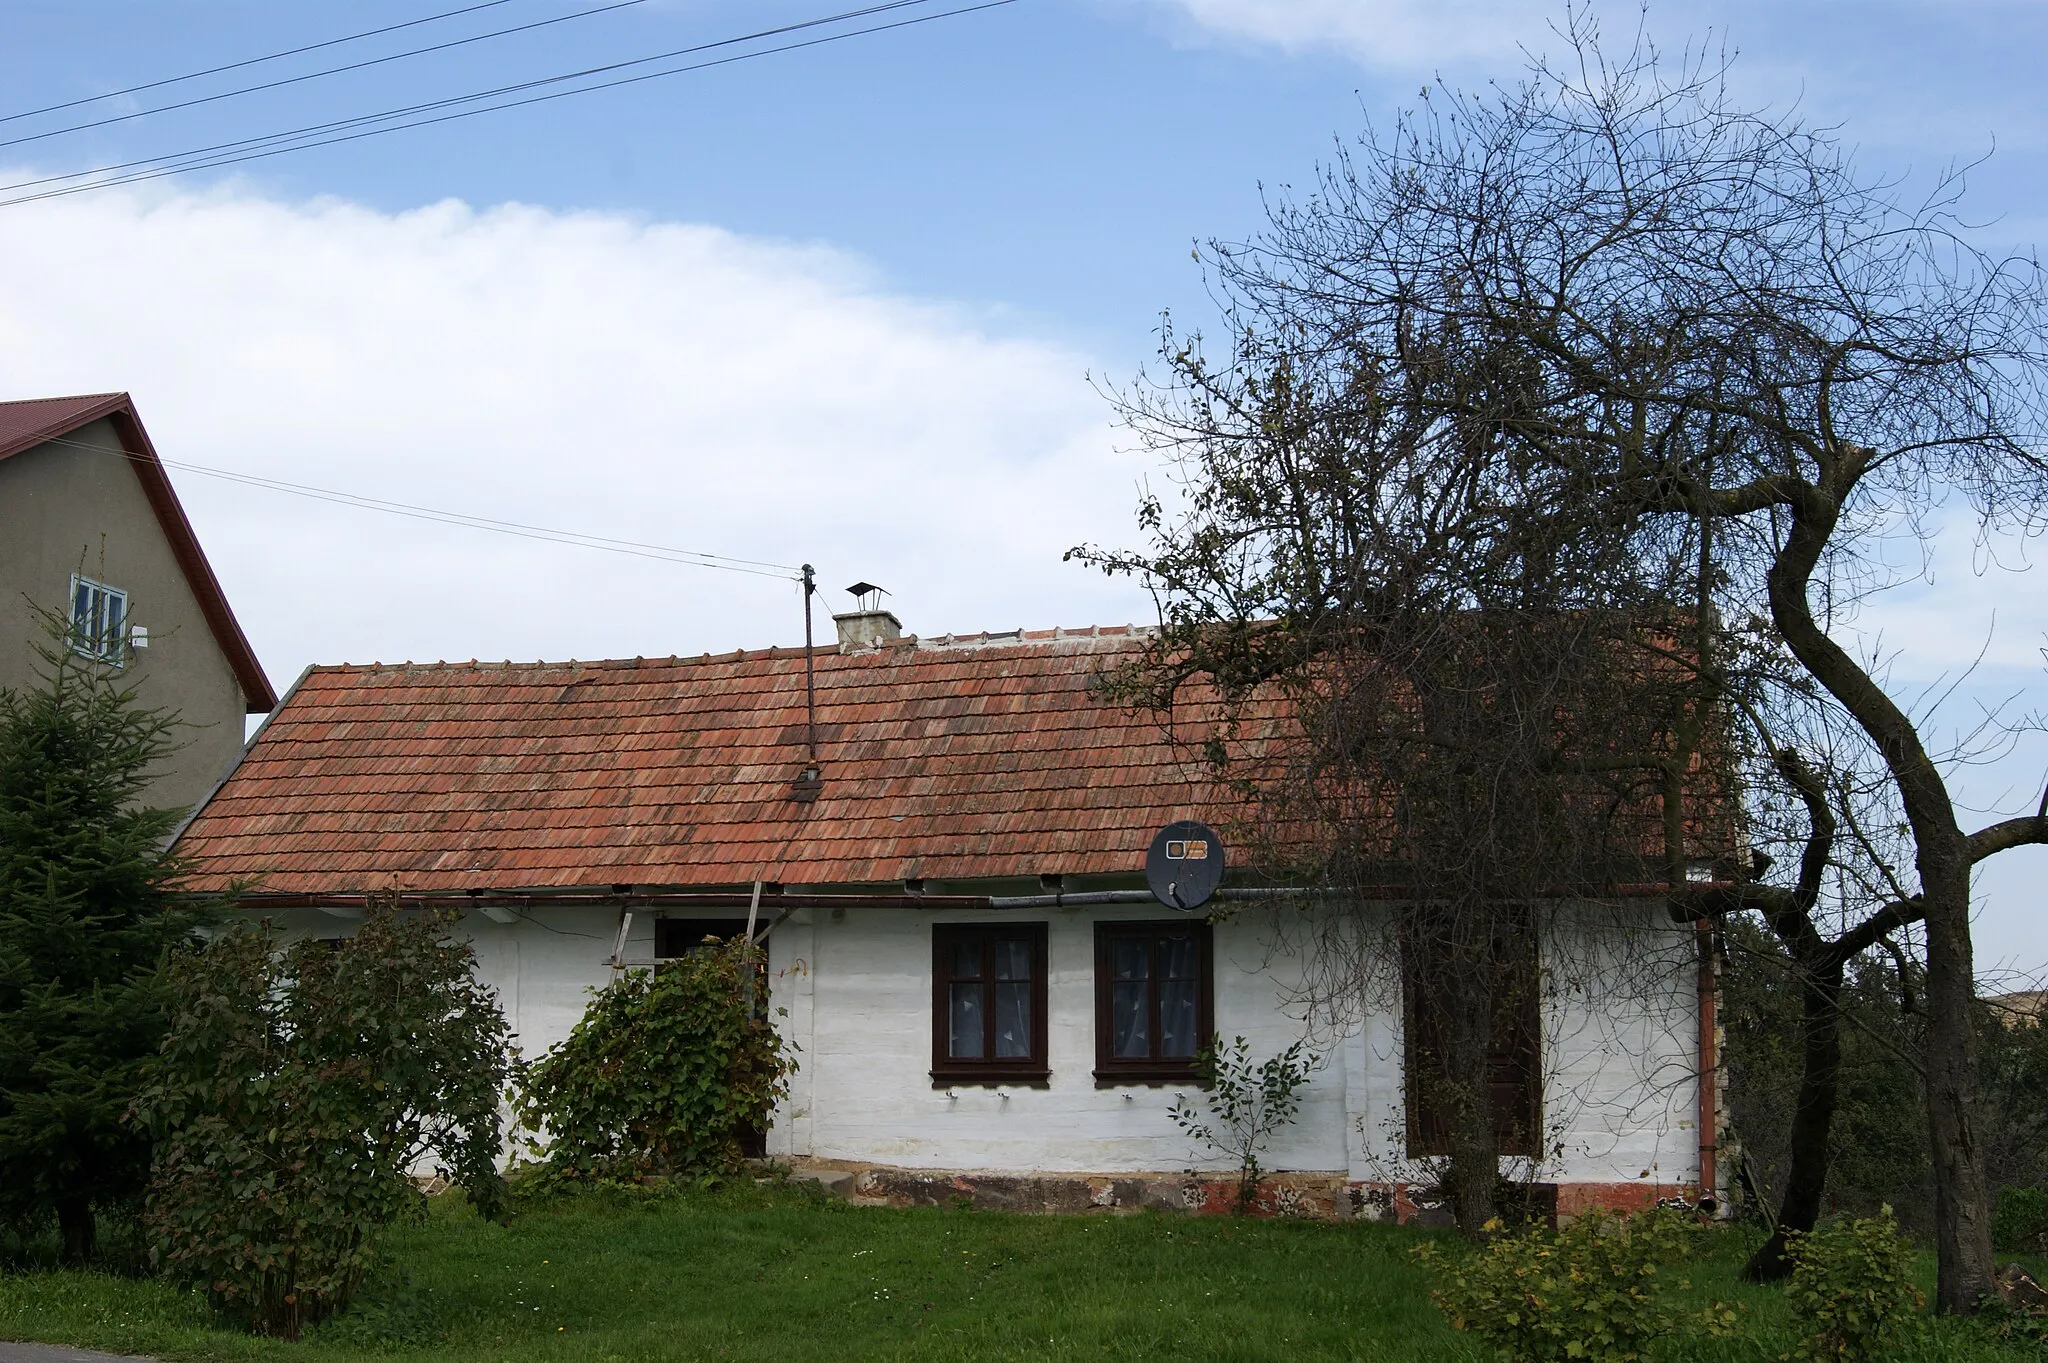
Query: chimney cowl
[(868, 628)]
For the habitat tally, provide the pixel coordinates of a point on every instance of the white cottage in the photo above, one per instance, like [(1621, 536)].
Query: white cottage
[(946, 864)]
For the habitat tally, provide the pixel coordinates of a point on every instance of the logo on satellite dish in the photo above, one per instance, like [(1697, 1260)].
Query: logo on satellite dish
[(1185, 864)]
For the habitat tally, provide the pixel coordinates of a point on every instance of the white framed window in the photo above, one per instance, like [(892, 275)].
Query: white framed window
[(99, 621)]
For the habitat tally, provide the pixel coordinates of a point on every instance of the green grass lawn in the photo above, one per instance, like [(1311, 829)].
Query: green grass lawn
[(777, 1274)]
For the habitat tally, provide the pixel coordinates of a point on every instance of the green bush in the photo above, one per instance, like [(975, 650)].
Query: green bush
[(665, 1075), (1851, 1287), (294, 1096), (1594, 1290), (2020, 1226)]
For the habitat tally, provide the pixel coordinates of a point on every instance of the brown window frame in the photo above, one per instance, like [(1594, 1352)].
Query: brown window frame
[(1033, 1070), (1514, 1061), (1112, 1070)]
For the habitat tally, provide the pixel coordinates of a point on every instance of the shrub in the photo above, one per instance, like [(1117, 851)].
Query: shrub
[(2020, 1226), (1594, 1290), (1851, 1287), (666, 1074), (1246, 1103), (296, 1093)]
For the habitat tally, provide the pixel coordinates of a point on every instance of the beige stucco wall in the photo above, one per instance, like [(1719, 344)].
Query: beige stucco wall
[(65, 510)]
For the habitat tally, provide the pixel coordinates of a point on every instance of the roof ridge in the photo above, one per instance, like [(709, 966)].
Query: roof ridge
[(909, 644), (66, 397)]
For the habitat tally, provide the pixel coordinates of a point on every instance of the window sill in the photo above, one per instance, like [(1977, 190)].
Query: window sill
[(1150, 1076), (1027, 1079)]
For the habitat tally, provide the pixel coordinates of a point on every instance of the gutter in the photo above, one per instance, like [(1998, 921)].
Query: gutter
[(1061, 901), (743, 899), (1055, 901)]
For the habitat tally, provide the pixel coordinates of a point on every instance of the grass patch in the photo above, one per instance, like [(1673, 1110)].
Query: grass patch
[(772, 1273)]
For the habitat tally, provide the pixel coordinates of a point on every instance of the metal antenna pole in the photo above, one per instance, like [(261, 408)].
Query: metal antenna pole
[(810, 671)]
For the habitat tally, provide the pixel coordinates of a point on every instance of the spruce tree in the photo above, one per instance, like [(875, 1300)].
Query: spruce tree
[(85, 921)]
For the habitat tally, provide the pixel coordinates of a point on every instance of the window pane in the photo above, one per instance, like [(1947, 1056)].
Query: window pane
[(963, 1022), (81, 608), (1177, 1039), (1013, 960), (967, 959), (1130, 958), (1177, 958), (1129, 1003), (110, 642), (1013, 1020)]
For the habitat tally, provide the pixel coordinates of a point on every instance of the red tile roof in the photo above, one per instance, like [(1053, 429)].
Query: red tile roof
[(32, 421), (37, 421), (946, 760)]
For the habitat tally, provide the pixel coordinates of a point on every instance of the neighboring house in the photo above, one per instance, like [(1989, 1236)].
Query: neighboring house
[(90, 529), (984, 999), (2020, 1008)]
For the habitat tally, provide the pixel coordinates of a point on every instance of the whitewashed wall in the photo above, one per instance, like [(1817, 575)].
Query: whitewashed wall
[(859, 993), (543, 966), (1619, 1023)]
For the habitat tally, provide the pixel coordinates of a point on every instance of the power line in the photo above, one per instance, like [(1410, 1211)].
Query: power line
[(309, 136), (252, 61), (316, 75), (659, 552)]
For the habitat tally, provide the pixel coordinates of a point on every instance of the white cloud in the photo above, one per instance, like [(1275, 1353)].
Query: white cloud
[(1420, 34), (668, 383)]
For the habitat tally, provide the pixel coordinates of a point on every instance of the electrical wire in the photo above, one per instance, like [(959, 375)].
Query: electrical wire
[(309, 136), (636, 548), (316, 75), (252, 61)]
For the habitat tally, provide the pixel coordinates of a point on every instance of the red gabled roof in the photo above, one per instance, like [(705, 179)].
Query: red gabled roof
[(26, 424), (946, 760)]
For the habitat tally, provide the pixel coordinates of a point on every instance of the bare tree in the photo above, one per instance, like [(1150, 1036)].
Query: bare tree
[(1614, 303), (1493, 684)]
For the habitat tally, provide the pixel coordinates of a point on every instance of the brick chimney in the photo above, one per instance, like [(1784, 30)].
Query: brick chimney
[(867, 628)]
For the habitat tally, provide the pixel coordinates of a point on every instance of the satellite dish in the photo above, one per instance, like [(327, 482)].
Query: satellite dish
[(1185, 864)]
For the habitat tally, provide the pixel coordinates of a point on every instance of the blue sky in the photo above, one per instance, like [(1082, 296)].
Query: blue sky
[(838, 305), (1049, 161)]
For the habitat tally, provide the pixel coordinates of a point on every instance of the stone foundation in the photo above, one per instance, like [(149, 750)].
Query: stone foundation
[(1319, 1196), (1315, 1195)]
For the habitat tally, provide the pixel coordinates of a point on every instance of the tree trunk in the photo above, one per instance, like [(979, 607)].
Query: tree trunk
[(1474, 1178), (1962, 1226), (1962, 1230), (80, 1232), (1813, 1117)]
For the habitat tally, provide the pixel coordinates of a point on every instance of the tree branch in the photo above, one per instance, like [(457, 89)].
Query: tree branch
[(2008, 833)]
